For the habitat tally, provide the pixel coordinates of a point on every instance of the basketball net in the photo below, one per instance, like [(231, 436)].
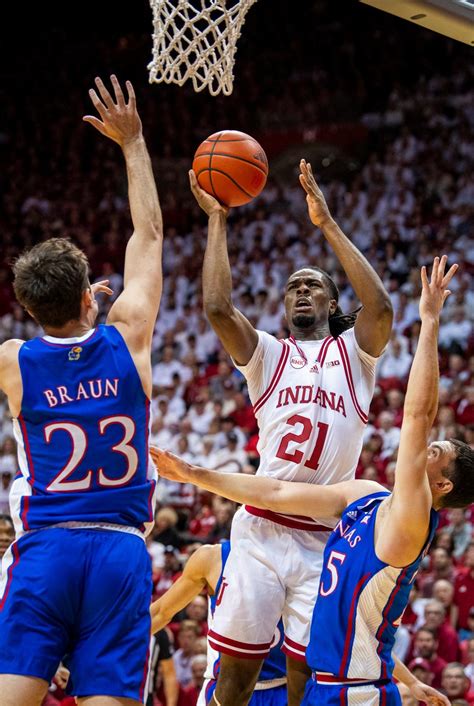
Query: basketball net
[(197, 40)]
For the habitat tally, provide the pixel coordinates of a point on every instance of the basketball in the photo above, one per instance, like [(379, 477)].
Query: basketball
[(231, 166)]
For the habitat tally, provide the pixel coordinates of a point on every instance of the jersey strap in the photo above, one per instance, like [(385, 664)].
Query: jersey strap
[(350, 381), (275, 378)]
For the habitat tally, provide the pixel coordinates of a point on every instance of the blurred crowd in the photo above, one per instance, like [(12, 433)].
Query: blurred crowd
[(408, 195)]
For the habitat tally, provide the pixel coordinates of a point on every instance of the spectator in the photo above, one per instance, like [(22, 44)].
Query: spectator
[(165, 531), (425, 646), (188, 633), (441, 568), (162, 674), (455, 683), (190, 693), (7, 533), (421, 669), (461, 531), (395, 362), (197, 611), (436, 619), (443, 591), (464, 589)]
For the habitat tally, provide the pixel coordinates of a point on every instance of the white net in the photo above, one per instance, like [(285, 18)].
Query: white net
[(197, 41)]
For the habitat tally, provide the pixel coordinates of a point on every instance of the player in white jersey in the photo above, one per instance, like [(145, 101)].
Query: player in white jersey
[(311, 396), (374, 553)]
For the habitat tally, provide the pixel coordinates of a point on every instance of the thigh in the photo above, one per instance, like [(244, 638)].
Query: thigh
[(38, 600), (251, 599), (21, 691), (301, 594), (107, 701), (111, 653)]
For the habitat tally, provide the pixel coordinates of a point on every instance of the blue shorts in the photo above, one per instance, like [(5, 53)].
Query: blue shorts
[(336, 695), (81, 596), (263, 697)]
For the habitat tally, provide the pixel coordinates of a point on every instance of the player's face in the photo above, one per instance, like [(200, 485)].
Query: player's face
[(6, 537), (307, 300), (439, 456)]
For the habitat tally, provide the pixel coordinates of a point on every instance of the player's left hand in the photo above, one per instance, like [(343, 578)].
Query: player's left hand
[(170, 466), (434, 292), (101, 287), (317, 206), (430, 696), (62, 676), (119, 118)]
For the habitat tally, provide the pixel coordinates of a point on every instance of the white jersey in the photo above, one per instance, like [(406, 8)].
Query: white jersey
[(311, 400)]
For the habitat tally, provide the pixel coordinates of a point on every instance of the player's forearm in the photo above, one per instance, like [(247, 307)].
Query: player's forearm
[(160, 617), (170, 687), (142, 191), (421, 398), (241, 488), (402, 673), (364, 280), (216, 275)]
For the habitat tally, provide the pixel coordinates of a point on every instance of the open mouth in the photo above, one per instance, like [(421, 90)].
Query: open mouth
[(303, 305)]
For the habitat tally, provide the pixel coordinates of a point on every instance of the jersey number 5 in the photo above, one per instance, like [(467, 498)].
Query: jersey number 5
[(79, 447), (297, 456), (333, 558)]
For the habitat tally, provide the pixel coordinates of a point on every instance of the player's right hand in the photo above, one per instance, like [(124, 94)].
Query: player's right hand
[(170, 466), (430, 696), (119, 118), (207, 202)]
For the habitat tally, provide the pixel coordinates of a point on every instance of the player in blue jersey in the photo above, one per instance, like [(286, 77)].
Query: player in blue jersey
[(374, 553), (76, 583), (205, 570)]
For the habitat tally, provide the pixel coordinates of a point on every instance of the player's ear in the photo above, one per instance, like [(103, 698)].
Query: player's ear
[(332, 306), (88, 298), (444, 485)]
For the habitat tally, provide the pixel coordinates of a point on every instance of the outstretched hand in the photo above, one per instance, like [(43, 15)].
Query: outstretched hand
[(119, 118), (317, 206), (101, 288), (434, 292), (430, 696), (170, 466), (207, 202)]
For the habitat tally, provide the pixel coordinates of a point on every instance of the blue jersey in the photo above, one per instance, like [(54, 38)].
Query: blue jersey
[(274, 666), (361, 599), (82, 434)]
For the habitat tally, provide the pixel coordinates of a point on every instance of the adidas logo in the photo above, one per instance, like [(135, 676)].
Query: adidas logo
[(314, 369), (352, 514)]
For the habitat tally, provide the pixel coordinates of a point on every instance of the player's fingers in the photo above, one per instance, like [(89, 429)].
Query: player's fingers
[(442, 267), (95, 122), (104, 94), (132, 101), (446, 294), (424, 277), (449, 274), (434, 271), (304, 183), (118, 91), (97, 103)]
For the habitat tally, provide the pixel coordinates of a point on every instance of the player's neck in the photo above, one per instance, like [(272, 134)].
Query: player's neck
[(315, 333), (73, 329)]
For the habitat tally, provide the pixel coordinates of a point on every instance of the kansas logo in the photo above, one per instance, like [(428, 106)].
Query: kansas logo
[(75, 353)]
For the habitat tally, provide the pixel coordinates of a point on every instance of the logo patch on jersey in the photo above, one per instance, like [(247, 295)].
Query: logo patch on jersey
[(314, 368), (332, 363), (75, 353), (352, 514), (297, 362)]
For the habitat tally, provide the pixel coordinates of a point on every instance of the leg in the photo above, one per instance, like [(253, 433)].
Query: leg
[(298, 674), (16, 690), (236, 681)]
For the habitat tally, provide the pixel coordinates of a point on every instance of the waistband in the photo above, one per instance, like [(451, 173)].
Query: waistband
[(324, 678), (90, 525), (293, 521), (270, 684)]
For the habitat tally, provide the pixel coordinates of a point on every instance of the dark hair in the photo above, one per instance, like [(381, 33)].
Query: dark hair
[(7, 519), (425, 629), (461, 473), (49, 281), (338, 322)]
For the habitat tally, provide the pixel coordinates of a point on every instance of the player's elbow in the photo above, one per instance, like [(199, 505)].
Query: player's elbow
[(218, 308)]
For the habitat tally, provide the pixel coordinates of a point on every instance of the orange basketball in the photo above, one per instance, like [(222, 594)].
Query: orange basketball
[(231, 166)]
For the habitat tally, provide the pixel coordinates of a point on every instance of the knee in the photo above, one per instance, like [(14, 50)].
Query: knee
[(237, 679)]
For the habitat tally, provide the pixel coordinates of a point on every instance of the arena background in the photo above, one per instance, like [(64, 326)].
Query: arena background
[(385, 112)]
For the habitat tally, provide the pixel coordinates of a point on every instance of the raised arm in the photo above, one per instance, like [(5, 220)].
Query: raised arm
[(374, 322), (193, 580), (266, 493), (135, 310), (405, 527), (237, 334)]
